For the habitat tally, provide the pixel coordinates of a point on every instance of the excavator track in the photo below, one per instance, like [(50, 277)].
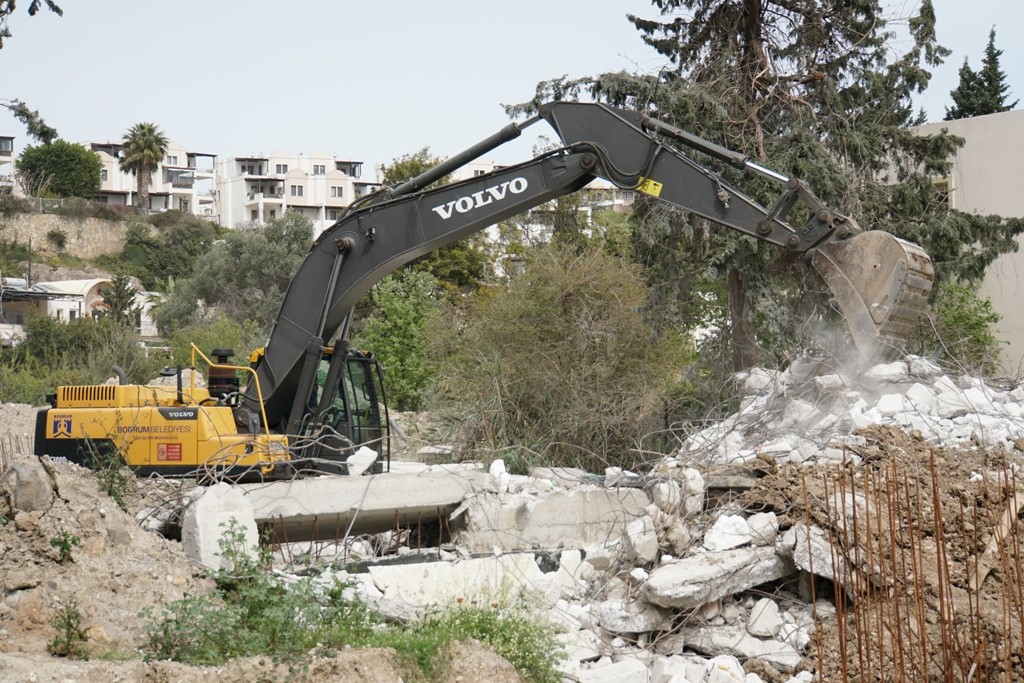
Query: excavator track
[(881, 285)]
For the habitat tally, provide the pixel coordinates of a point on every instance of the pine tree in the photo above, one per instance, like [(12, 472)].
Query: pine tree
[(981, 92), (817, 91)]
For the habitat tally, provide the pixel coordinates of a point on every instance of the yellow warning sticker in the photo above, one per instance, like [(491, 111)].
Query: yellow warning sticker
[(651, 187)]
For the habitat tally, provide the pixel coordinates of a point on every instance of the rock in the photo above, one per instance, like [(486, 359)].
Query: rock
[(699, 579), (28, 486), (728, 531), (765, 619)]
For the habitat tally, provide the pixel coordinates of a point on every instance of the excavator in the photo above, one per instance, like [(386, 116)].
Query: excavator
[(312, 403)]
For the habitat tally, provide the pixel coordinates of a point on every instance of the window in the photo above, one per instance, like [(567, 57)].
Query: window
[(319, 169), (183, 204), (273, 214), (334, 214), (296, 190), (337, 191), (103, 175), (60, 314), (6, 145), (478, 172), (254, 216), (72, 314), (282, 169), (172, 160)]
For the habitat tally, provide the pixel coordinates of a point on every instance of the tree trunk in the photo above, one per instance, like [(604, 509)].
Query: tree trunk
[(745, 351), (144, 176)]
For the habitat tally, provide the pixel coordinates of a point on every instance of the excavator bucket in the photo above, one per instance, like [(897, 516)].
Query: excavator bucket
[(881, 285)]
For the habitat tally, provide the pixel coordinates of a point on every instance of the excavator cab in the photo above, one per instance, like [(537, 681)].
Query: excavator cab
[(353, 413)]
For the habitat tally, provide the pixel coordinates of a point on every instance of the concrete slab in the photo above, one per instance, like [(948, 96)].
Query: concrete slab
[(324, 507), (583, 516)]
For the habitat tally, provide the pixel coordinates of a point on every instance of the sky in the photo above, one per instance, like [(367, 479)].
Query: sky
[(369, 81)]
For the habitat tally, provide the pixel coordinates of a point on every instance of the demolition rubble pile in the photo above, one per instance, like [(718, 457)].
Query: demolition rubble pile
[(724, 564), (696, 572)]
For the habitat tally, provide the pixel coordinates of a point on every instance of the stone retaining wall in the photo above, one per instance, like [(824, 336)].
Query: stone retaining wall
[(84, 237)]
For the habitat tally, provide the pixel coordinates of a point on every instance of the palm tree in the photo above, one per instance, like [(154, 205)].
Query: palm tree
[(143, 150)]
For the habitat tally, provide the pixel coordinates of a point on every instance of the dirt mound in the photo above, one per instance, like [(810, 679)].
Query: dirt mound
[(64, 542)]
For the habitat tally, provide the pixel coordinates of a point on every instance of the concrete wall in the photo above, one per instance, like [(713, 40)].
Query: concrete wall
[(987, 175), (86, 237)]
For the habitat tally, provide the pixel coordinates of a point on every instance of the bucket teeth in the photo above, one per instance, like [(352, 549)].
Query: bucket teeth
[(881, 285)]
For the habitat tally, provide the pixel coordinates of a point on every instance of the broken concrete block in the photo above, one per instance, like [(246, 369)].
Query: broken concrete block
[(677, 538), (699, 579), (921, 398), (582, 516), (764, 528), (600, 558), (499, 477), (886, 373), (678, 669), (630, 617), (733, 640), (693, 491), (361, 460), (623, 671), (765, 619), (641, 541), (566, 477), (430, 584), (889, 404), (812, 551), (728, 531), (213, 514), (724, 669), (667, 495), (582, 646)]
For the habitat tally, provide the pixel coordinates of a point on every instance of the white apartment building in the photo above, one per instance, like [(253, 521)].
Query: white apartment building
[(184, 180), (6, 164), (254, 189)]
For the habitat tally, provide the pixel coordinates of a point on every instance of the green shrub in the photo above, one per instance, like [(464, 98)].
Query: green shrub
[(254, 613), (58, 238), (957, 330), (562, 363)]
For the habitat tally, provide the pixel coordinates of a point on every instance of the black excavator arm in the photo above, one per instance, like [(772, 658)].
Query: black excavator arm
[(395, 226)]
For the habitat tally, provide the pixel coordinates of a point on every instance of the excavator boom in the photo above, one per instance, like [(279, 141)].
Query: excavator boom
[(880, 283)]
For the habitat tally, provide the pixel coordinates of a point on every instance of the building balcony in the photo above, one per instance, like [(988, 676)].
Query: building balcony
[(275, 198)]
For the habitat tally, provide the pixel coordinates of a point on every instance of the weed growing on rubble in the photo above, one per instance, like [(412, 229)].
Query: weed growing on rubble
[(256, 612), (69, 640), (113, 476), (511, 630), (64, 542)]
